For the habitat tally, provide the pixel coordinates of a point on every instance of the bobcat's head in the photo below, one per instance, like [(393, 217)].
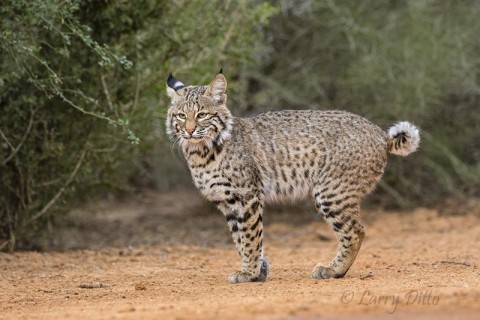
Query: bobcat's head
[(198, 114)]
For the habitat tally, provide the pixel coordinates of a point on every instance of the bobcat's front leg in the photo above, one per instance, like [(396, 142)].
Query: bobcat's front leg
[(244, 219)]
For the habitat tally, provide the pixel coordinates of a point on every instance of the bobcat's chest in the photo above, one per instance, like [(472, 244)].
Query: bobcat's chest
[(210, 183), (202, 178), (208, 173)]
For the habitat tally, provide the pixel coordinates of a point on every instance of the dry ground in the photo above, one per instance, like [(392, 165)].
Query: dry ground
[(168, 257)]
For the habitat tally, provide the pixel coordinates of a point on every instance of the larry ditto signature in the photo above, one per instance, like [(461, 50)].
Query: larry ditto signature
[(412, 297)]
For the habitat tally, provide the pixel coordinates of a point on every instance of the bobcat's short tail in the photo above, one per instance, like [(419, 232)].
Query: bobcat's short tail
[(403, 138)]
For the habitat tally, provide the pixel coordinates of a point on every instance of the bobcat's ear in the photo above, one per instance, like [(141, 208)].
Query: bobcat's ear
[(173, 85), (217, 88)]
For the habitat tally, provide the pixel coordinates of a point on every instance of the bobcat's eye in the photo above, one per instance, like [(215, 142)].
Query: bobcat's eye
[(202, 115), (182, 116)]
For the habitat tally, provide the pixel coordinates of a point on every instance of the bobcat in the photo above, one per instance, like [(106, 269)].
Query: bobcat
[(240, 163)]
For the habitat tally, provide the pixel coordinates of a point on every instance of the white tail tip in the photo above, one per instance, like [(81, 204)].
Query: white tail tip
[(403, 138)]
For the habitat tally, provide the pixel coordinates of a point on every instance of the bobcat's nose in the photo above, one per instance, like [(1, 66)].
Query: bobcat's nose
[(190, 131)]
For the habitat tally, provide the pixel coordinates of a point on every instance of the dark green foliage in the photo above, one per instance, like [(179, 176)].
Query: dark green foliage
[(75, 108)]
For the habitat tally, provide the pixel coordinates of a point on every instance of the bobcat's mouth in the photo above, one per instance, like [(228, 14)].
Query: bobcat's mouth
[(194, 139), (199, 135), (196, 136)]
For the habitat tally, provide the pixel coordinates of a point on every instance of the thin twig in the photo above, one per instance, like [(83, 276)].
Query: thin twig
[(6, 139), (4, 244), (12, 221), (93, 114), (137, 95), (61, 191), (15, 150), (49, 183), (107, 92), (93, 285), (466, 264)]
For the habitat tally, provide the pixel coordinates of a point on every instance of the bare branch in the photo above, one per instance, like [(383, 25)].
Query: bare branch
[(4, 244), (137, 95), (61, 191), (6, 139), (20, 144), (107, 92)]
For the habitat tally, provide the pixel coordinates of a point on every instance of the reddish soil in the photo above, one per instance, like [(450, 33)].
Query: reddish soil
[(169, 258)]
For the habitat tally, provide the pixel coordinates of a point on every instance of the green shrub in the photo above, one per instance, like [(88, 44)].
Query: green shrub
[(81, 85)]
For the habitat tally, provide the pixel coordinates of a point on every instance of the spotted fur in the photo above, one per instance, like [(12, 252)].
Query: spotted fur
[(335, 157)]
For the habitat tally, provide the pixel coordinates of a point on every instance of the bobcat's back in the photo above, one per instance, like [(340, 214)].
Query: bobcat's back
[(295, 147)]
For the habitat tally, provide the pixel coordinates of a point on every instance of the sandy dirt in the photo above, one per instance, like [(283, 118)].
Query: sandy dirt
[(169, 255)]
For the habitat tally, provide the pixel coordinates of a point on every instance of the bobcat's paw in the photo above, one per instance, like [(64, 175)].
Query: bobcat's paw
[(321, 272), (264, 270), (241, 276)]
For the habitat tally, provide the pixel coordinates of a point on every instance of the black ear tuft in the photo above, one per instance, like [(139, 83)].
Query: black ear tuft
[(171, 81), (174, 83), (221, 71)]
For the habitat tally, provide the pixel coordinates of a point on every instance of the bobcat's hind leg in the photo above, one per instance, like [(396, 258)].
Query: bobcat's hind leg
[(245, 223), (342, 213)]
